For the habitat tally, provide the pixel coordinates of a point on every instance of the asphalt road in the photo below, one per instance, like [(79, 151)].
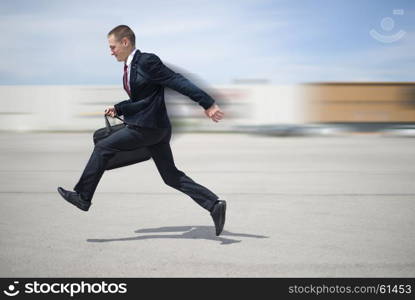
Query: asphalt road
[(297, 207)]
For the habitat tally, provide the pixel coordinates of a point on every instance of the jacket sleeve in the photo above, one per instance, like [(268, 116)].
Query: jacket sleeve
[(157, 72), (128, 107), (119, 105)]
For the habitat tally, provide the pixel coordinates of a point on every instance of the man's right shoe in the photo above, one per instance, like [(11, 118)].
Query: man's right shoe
[(75, 199), (218, 214)]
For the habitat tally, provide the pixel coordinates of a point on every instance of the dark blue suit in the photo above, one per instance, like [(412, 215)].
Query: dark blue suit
[(149, 126), (148, 77)]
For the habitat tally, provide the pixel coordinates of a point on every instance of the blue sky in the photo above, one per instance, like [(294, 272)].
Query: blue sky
[(64, 42)]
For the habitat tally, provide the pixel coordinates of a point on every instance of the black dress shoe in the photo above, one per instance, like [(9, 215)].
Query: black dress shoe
[(218, 215), (75, 199)]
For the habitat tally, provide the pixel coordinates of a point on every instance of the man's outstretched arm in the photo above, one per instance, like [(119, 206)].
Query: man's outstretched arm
[(161, 74)]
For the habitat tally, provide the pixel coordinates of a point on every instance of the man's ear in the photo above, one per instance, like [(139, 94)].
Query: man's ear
[(125, 41)]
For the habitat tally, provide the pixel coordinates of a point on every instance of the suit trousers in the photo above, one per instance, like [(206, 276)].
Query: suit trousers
[(157, 140)]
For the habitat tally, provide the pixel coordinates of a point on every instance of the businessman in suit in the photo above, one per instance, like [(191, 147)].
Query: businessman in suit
[(144, 80)]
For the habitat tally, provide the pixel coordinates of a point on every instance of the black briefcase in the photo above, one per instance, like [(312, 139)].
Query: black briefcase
[(121, 158)]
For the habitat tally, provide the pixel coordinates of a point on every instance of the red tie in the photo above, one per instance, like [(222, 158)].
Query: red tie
[(125, 80)]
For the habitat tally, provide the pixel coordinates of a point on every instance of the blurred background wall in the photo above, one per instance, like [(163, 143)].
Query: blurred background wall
[(361, 102), (33, 108)]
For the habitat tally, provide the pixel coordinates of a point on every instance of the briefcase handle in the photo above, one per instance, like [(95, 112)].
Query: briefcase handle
[(107, 122)]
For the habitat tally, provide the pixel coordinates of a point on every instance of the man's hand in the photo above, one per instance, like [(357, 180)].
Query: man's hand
[(214, 113), (110, 111)]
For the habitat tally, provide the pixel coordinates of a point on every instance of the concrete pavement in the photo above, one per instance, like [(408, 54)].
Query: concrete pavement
[(297, 207)]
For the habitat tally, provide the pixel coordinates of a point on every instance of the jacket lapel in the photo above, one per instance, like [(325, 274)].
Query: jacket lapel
[(133, 72)]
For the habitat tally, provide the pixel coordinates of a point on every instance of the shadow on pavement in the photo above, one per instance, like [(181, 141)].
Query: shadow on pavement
[(185, 232)]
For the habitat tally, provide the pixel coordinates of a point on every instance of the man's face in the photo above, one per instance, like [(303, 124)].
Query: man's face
[(120, 49)]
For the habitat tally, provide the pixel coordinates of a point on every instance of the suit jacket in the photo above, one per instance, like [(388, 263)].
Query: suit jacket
[(148, 77)]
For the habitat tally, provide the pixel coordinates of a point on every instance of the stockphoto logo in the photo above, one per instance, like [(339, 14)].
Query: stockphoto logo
[(11, 289), (70, 289)]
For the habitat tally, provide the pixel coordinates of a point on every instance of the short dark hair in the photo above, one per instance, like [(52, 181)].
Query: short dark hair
[(123, 31)]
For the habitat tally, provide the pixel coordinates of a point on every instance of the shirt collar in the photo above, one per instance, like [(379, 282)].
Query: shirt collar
[(130, 57)]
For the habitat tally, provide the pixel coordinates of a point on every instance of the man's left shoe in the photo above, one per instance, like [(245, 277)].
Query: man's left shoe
[(218, 214), (75, 199)]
